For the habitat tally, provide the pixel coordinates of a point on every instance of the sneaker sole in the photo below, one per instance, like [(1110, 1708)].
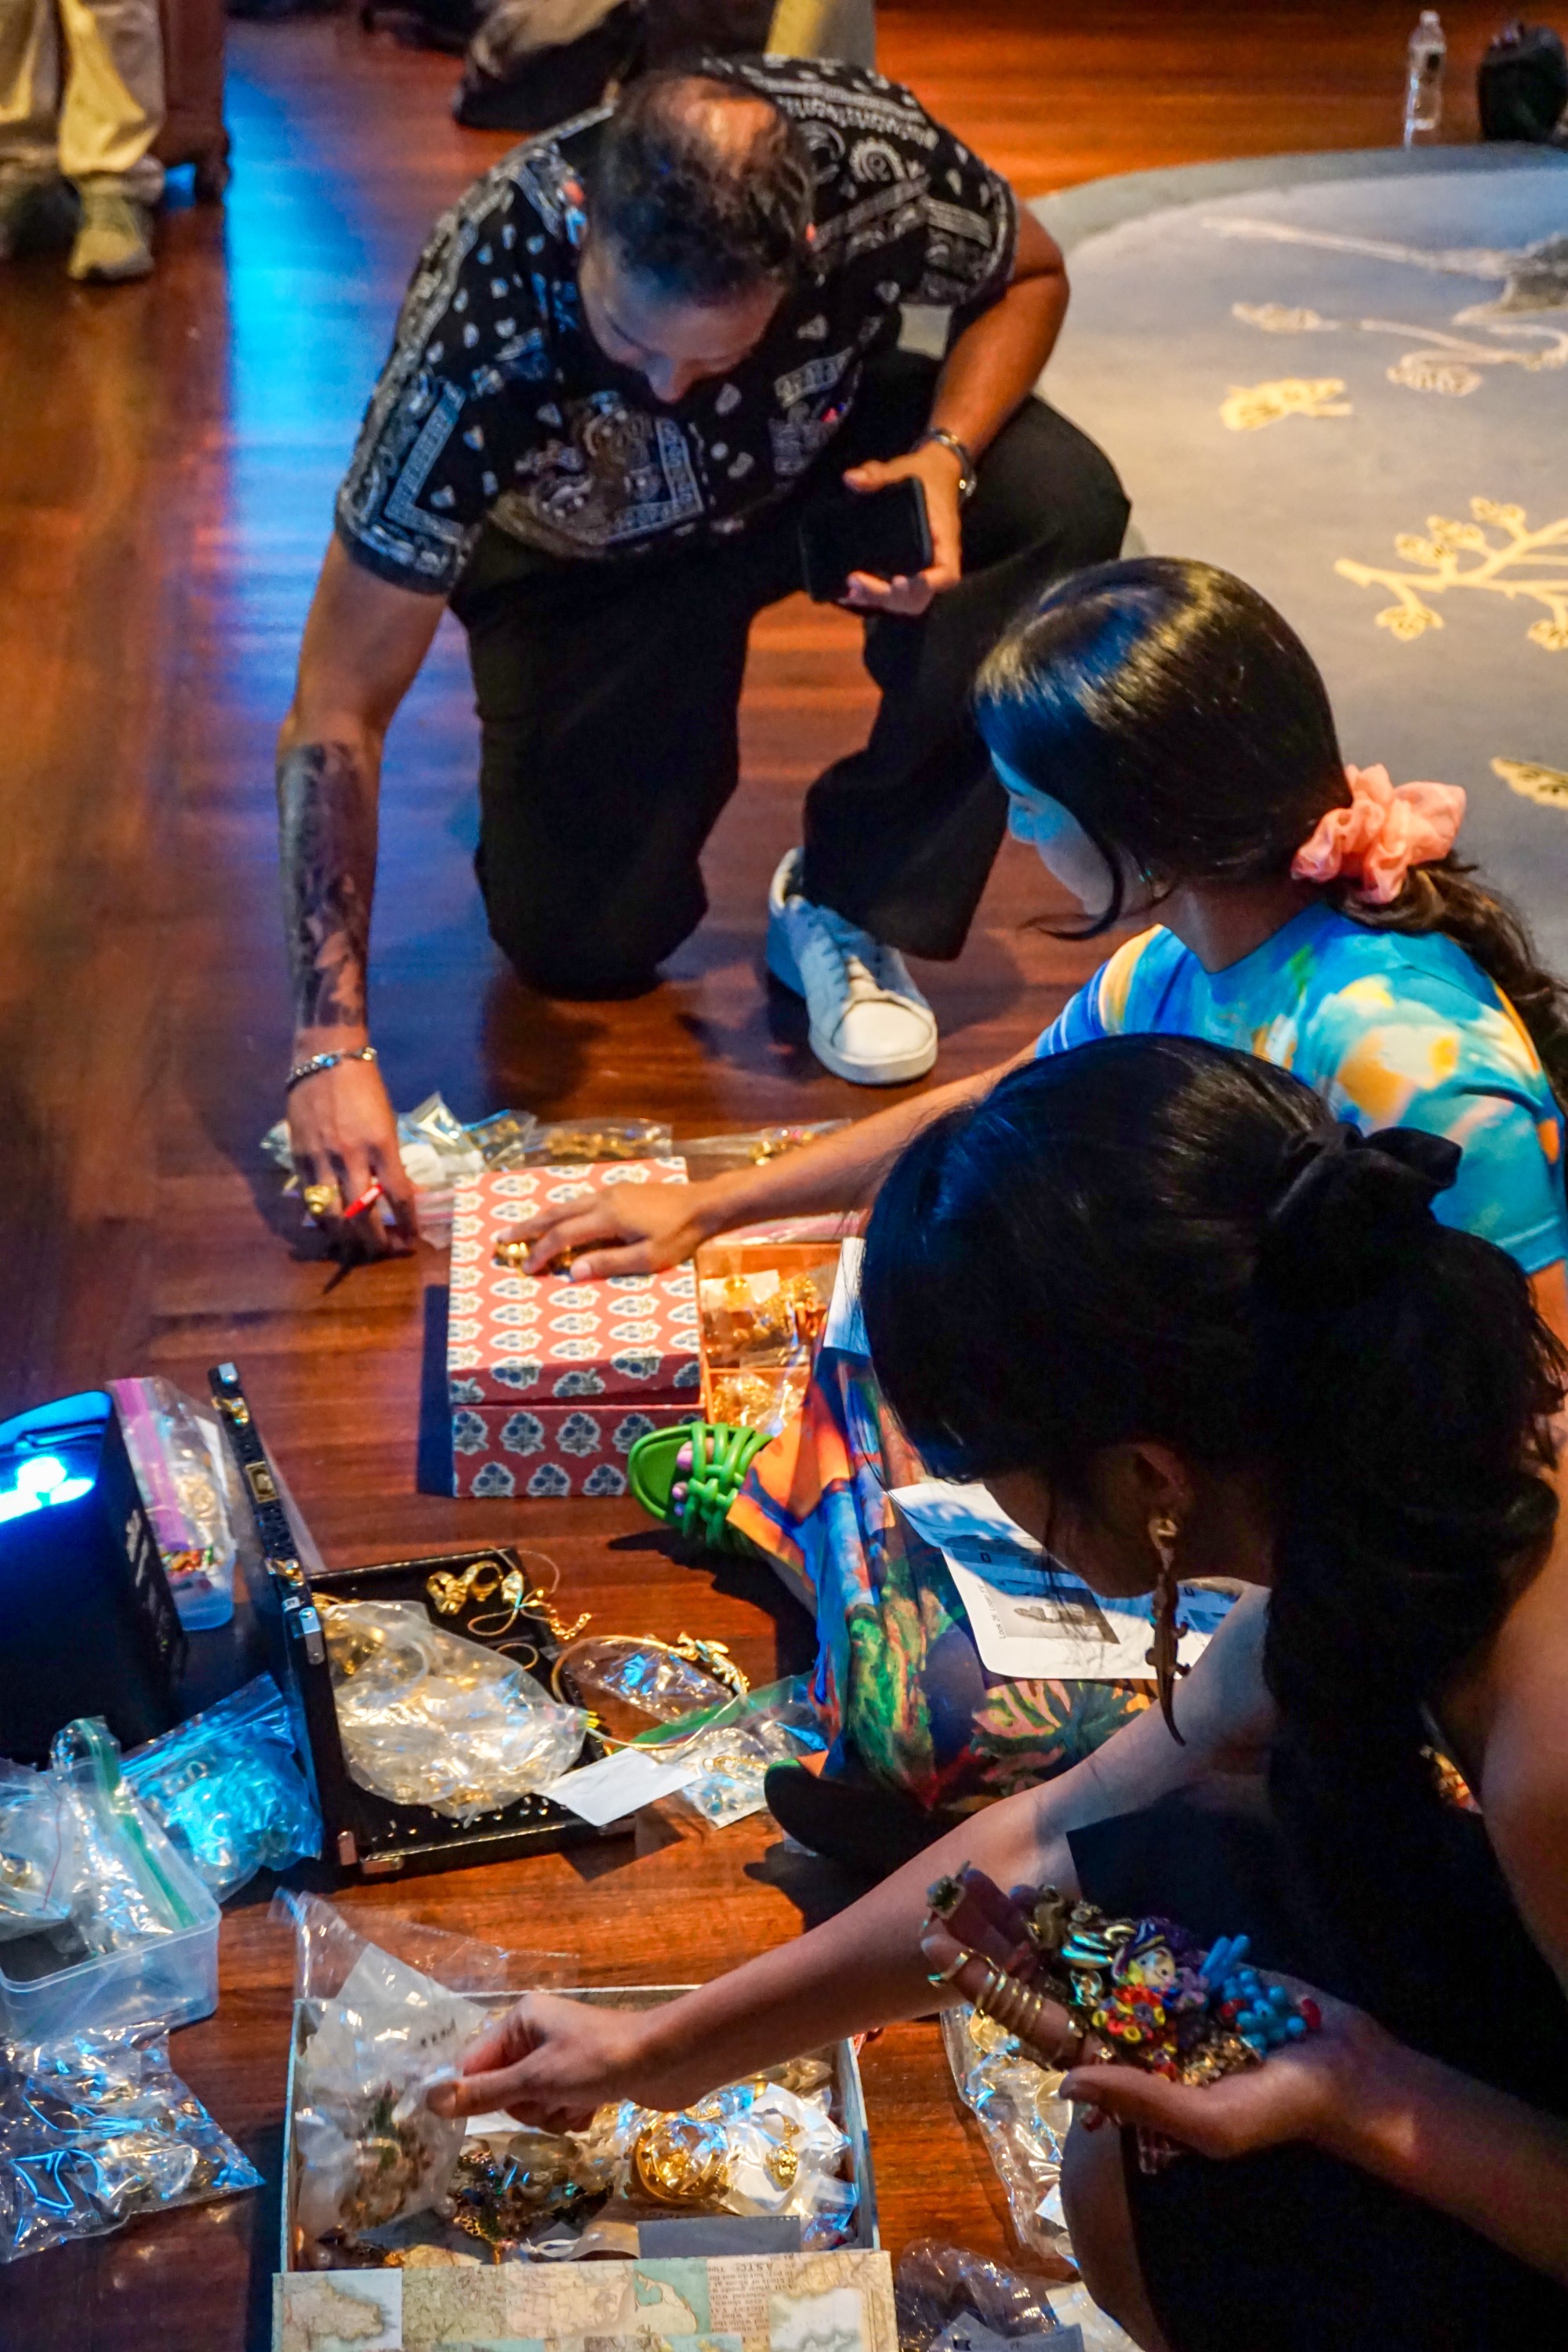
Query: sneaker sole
[(781, 962)]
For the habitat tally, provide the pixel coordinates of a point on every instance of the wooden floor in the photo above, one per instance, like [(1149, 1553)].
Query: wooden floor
[(168, 454)]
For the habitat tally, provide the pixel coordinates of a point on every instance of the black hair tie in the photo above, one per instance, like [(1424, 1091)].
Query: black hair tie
[(1351, 1208)]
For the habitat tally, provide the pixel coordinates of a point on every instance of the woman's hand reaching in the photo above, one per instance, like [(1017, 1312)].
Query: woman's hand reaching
[(624, 1229), (553, 2063)]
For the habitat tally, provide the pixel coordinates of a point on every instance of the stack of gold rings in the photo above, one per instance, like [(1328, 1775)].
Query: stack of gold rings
[(1015, 2006)]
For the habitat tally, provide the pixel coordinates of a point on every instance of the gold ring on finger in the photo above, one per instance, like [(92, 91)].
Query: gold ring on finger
[(321, 1201)]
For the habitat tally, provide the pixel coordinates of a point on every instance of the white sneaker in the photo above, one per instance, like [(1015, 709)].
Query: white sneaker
[(869, 1024)]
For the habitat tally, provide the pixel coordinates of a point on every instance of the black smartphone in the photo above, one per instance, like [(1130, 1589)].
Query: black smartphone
[(884, 533)]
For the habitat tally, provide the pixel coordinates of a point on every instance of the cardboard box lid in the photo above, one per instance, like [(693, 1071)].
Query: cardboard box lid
[(544, 1339)]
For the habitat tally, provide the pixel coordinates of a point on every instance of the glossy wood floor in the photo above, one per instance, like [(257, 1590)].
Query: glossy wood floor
[(168, 454)]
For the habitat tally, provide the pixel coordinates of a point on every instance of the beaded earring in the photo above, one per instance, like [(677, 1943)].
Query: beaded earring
[(1164, 1533)]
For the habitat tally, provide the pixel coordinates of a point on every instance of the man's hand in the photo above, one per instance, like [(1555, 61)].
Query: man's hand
[(937, 469), (342, 1132), (650, 1226)]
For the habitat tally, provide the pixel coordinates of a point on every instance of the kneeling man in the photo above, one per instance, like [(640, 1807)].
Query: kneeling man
[(629, 360)]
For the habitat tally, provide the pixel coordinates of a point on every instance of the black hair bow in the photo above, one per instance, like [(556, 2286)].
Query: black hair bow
[(1350, 1209)]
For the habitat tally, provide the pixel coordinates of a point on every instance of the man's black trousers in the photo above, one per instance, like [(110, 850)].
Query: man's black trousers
[(608, 693)]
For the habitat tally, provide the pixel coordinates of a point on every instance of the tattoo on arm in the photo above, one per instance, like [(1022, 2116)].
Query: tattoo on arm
[(326, 816)]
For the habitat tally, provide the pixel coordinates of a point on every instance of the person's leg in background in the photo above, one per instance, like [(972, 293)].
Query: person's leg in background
[(29, 112), (607, 694), (901, 837), (113, 112)]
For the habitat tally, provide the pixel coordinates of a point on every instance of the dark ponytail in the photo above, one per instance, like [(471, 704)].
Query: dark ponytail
[(1154, 1237), (1184, 725)]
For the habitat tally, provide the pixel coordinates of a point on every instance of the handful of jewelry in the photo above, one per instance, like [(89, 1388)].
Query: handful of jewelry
[(1139, 1990)]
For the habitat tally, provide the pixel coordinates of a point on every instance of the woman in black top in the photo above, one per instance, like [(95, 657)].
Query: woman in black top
[(1176, 1318)]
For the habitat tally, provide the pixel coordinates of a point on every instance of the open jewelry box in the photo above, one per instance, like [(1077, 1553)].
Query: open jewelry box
[(364, 1834), (672, 2233)]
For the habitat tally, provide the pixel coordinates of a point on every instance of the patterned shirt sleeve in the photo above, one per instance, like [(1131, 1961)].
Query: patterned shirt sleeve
[(970, 218), (1463, 1070), (441, 435)]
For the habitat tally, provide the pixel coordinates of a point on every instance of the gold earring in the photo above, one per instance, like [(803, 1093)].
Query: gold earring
[(452, 1593), (1164, 1533), (512, 1592)]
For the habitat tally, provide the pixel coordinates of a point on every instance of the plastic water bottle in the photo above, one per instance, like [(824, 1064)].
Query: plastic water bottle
[(1424, 81)]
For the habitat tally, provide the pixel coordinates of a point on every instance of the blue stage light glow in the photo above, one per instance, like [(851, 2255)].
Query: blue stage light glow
[(45, 1479)]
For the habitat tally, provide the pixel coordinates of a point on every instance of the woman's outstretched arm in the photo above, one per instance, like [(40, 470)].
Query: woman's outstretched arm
[(551, 2060)]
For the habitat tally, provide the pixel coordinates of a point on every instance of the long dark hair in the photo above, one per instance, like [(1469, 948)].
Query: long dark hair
[(1168, 706), (1156, 1238)]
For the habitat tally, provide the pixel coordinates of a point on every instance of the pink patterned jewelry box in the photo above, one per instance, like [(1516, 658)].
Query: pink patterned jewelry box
[(534, 1451), (543, 1340)]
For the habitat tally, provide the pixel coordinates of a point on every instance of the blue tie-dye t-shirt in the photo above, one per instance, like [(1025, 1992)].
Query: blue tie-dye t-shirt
[(1391, 1030)]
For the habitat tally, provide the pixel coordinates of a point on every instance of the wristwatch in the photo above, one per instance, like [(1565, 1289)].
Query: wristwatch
[(968, 478)]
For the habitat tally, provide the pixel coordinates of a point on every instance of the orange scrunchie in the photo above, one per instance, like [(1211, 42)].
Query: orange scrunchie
[(1387, 830)]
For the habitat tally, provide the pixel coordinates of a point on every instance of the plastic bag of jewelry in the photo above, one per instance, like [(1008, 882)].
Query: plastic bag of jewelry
[(503, 1137), (734, 1748), (430, 1718), (707, 1155), (1023, 2122), (37, 1878), (115, 1858), (566, 1143), (955, 2300), (94, 2130), (763, 1305), (367, 2148), (328, 1945), (768, 2144), (766, 1397), (628, 1679), (181, 1470), (382, 2014), (227, 1788)]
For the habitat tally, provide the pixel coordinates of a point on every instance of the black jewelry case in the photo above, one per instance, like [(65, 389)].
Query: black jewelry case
[(364, 1835)]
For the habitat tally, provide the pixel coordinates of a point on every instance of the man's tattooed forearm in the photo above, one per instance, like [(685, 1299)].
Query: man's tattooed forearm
[(326, 816)]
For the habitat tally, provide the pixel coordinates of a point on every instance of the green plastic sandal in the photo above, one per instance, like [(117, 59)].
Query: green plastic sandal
[(720, 1456)]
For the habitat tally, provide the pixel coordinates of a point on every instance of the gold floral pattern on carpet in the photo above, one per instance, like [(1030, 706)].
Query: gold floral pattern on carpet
[(1532, 781), (1250, 406), (1446, 364), (1461, 555)]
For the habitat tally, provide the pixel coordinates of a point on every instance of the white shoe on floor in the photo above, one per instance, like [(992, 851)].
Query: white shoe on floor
[(869, 1024)]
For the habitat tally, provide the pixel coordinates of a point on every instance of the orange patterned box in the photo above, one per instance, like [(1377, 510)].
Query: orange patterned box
[(549, 1338)]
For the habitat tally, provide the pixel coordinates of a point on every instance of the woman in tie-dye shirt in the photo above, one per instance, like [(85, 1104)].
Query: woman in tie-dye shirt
[(1166, 743)]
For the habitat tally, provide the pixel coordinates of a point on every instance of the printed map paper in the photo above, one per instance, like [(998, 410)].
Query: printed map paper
[(837, 2302)]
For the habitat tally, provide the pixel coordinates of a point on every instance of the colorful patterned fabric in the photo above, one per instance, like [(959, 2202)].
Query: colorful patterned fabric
[(1391, 1030), (898, 1682)]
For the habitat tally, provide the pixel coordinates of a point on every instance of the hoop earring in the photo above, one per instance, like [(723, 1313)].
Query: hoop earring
[(1164, 1533)]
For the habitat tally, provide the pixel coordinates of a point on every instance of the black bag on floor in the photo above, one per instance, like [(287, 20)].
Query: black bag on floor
[(534, 63), (1521, 84)]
